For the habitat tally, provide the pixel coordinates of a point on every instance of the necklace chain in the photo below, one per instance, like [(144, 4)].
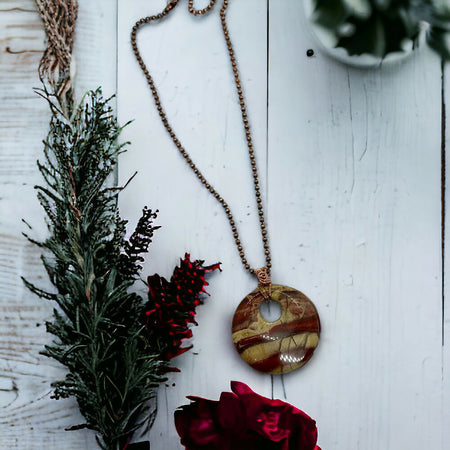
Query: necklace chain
[(163, 116)]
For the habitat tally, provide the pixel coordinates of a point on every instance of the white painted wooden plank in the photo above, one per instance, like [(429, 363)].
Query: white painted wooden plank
[(21, 41), (95, 47), (188, 59), (384, 399), (29, 419), (355, 223), (446, 302)]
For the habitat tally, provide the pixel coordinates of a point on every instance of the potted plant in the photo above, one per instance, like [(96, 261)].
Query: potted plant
[(367, 32)]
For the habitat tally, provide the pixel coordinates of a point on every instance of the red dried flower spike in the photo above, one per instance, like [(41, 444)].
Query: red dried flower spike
[(171, 305), (244, 420)]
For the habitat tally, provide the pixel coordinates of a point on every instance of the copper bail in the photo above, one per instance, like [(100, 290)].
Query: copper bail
[(263, 277)]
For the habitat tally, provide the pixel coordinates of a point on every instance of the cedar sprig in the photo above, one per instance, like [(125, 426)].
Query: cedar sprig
[(100, 327), (137, 245), (113, 372)]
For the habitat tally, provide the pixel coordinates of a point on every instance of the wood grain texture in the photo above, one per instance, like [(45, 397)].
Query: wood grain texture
[(350, 161), (29, 418), (353, 179), (446, 260), (186, 56), (356, 226)]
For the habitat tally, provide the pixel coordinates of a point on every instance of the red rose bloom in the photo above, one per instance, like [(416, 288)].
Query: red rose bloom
[(244, 420)]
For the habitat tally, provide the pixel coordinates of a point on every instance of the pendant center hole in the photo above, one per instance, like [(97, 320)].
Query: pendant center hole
[(270, 311)]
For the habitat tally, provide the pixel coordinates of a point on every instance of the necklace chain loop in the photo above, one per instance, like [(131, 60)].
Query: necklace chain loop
[(263, 274)]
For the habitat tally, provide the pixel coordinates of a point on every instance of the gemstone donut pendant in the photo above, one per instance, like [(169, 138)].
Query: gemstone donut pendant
[(283, 345)]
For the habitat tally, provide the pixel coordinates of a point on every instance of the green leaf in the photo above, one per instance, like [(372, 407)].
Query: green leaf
[(368, 37), (329, 13), (439, 40), (358, 8), (382, 4)]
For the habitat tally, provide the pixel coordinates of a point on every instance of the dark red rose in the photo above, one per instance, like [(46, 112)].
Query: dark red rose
[(244, 420)]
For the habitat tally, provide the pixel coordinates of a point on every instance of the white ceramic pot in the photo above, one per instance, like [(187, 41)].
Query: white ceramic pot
[(326, 41)]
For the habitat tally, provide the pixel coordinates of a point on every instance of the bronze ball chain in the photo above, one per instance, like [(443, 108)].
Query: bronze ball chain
[(264, 273), (272, 347)]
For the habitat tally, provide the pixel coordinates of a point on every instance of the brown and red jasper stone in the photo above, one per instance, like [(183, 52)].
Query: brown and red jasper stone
[(280, 346)]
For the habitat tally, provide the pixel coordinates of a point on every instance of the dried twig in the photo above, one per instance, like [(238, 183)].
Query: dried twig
[(59, 17)]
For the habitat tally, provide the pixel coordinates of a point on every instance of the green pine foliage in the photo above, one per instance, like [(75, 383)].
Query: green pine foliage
[(379, 27), (98, 322)]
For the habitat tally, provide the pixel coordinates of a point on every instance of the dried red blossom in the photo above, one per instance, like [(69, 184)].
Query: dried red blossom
[(244, 420), (171, 305)]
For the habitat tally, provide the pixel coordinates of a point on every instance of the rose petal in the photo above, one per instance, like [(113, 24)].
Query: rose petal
[(231, 413), (277, 420), (196, 424), (244, 420), (240, 388), (304, 429), (263, 415)]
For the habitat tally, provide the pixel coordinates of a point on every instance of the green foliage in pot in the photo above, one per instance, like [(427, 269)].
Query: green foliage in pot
[(379, 27)]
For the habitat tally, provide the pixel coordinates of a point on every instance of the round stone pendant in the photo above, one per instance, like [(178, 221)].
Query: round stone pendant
[(280, 346)]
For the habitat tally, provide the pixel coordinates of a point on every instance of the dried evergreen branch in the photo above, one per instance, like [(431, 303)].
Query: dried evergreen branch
[(171, 306), (138, 244), (101, 329), (98, 323)]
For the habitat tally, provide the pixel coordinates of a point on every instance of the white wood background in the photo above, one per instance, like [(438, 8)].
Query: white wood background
[(351, 164)]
